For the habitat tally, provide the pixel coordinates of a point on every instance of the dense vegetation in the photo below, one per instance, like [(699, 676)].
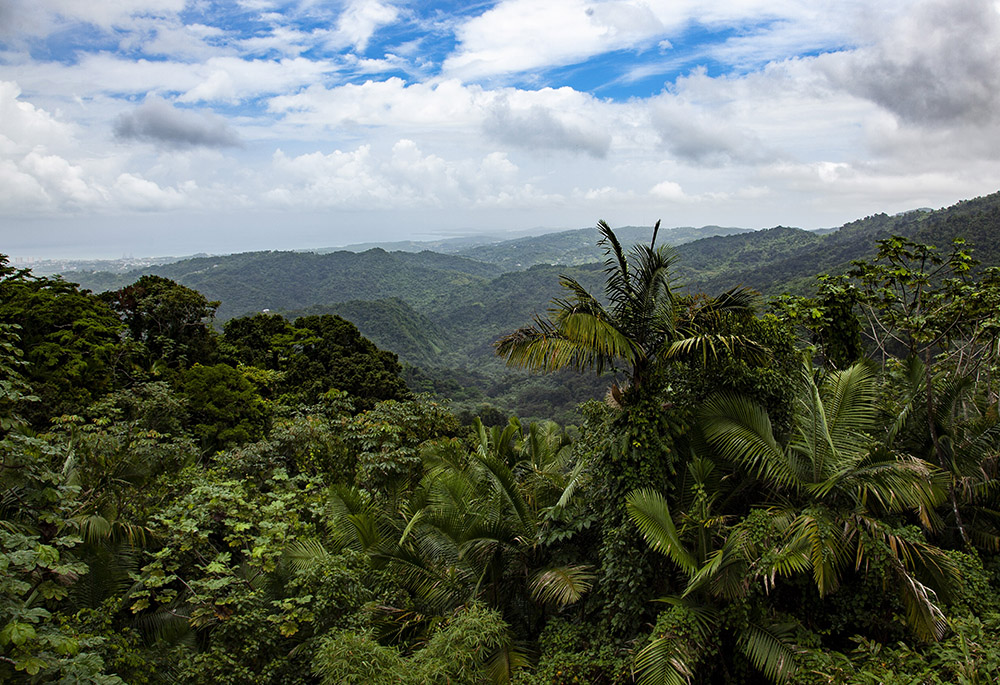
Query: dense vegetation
[(801, 491), (441, 312)]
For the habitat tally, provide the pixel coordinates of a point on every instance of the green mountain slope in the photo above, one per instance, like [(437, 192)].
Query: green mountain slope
[(442, 312), (579, 247), (252, 281), (393, 325), (793, 264)]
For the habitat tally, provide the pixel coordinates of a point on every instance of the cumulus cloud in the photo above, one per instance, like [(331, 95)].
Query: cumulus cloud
[(405, 178), (811, 113), (935, 64), (538, 127), (445, 104), (24, 126), (360, 19), (145, 195), (700, 137), (157, 121), (518, 35)]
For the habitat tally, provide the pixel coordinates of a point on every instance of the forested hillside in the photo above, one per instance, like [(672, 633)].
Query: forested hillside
[(578, 247), (800, 258), (764, 494), (254, 281), (441, 313)]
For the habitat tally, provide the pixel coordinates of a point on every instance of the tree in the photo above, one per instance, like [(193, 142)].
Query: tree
[(643, 325), (70, 340), (328, 353), (644, 328), (37, 549), (918, 303), (223, 405), (473, 532), (173, 321), (261, 340), (828, 494)]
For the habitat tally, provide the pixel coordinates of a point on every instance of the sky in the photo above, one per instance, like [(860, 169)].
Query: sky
[(173, 127)]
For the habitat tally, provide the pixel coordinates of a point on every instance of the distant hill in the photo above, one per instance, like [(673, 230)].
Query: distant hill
[(442, 312), (392, 324), (570, 248), (579, 247), (781, 259), (252, 281)]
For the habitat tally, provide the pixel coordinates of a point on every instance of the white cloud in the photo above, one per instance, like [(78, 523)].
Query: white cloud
[(23, 126), (899, 107), (218, 79), (700, 135), (21, 190), (232, 79), (39, 17), (359, 21), (541, 128), (63, 181), (144, 195), (668, 190), (182, 41), (519, 35), (524, 35), (405, 178)]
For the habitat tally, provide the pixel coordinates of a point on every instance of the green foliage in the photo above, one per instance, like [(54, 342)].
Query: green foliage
[(38, 562), (224, 407), (968, 656), (315, 355), (68, 337), (386, 441), (573, 652), (459, 651), (788, 520), (171, 320), (309, 440), (829, 318)]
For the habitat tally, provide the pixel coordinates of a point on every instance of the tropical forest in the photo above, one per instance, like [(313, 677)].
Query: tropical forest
[(622, 455)]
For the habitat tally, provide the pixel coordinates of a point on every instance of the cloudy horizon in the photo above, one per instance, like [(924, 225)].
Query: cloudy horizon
[(154, 127)]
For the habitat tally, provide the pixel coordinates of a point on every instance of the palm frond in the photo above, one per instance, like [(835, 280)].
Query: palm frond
[(509, 658), (619, 281), (581, 341), (507, 487), (667, 660), (827, 543), (770, 649), (849, 401), (922, 613), (648, 509), (724, 571), (573, 481), (741, 430), (305, 553), (737, 300), (561, 585)]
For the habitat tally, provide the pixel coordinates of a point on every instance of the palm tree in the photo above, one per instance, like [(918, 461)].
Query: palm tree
[(643, 323), (840, 485), (829, 488), (472, 530), (964, 441)]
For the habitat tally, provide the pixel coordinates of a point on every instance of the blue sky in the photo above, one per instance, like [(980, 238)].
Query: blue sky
[(180, 126)]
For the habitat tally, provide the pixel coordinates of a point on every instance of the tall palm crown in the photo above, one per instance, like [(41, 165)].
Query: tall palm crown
[(642, 323)]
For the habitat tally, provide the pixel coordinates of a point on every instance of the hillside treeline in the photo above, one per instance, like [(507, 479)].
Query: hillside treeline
[(801, 490), (440, 313)]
